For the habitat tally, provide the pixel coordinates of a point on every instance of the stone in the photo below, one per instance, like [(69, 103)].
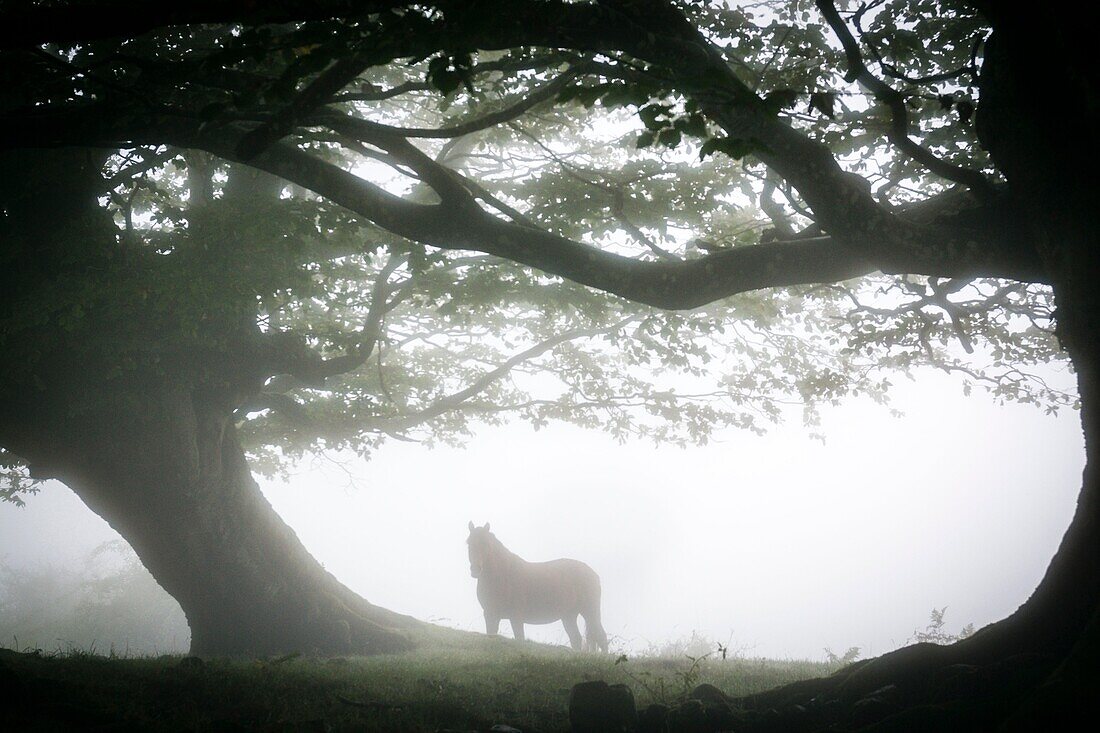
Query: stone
[(654, 719), (597, 707)]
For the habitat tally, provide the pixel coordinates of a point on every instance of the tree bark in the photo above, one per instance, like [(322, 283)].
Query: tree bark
[(163, 466), (1039, 668), (1038, 149), (101, 388)]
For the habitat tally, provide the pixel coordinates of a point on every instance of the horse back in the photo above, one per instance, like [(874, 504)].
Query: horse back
[(542, 592)]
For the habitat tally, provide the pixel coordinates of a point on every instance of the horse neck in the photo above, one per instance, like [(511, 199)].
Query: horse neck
[(507, 559)]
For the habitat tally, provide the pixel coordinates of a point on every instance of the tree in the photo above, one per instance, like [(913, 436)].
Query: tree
[(152, 322)]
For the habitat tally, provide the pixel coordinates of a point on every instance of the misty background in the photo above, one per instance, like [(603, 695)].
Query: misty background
[(777, 546)]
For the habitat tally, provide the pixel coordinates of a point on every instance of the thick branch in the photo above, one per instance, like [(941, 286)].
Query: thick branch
[(31, 23), (899, 117), (863, 235), (541, 94), (286, 353), (680, 284), (317, 93)]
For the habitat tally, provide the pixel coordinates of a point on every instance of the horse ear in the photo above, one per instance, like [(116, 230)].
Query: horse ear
[(486, 526), (471, 526)]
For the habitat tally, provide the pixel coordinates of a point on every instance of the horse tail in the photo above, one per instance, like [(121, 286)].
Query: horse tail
[(593, 629)]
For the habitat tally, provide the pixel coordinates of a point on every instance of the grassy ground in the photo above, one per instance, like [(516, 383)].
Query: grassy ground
[(453, 681)]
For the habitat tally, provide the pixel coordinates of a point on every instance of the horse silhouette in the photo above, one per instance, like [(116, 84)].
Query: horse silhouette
[(509, 587)]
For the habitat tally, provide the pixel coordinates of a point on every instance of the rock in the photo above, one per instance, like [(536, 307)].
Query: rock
[(888, 693), (870, 710), (9, 680), (597, 707), (718, 712), (709, 694), (690, 716), (958, 681), (501, 728), (191, 663), (654, 719), (770, 720)]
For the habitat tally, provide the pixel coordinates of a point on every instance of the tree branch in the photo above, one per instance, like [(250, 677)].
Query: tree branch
[(29, 23), (285, 353), (899, 117), (454, 401), (862, 234), (317, 93), (541, 94)]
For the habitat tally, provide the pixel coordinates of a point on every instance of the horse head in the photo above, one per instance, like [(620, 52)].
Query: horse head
[(482, 545)]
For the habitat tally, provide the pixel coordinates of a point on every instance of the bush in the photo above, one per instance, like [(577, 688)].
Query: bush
[(934, 633), (107, 604)]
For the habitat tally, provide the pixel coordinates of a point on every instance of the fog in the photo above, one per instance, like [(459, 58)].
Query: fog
[(778, 546)]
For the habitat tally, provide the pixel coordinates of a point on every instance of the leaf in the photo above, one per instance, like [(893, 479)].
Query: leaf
[(735, 148), (965, 109), (621, 95), (651, 116), (694, 125), (212, 111), (446, 81), (669, 136), (780, 99), (583, 95), (823, 102)]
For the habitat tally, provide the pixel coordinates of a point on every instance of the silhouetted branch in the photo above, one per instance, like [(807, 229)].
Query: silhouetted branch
[(455, 400), (532, 98), (899, 117)]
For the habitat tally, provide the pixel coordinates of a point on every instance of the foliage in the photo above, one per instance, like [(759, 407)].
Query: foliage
[(843, 660), (362, 325), (109, 603), (694, 645), (15, 480), (934, 632)]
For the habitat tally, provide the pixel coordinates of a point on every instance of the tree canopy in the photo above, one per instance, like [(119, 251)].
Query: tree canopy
[(387, 220), (285, 226)]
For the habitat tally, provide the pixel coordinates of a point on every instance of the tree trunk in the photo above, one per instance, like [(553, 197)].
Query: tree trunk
[(1038, 149), (104, 388), (1039, 668), (164, 468)]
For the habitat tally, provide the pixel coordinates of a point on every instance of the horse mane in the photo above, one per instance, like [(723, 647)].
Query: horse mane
[(498, 547)]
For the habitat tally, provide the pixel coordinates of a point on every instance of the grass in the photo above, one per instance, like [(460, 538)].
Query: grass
[(453, 681)]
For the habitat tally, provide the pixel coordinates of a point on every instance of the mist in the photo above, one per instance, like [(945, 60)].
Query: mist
[(779, 546)]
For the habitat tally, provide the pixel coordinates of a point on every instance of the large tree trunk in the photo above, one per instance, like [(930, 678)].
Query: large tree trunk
[(1037, 146), (1039, 669), (164, 467), (99, 387)]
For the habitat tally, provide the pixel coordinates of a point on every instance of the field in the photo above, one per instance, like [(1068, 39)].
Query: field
[(454, 681)]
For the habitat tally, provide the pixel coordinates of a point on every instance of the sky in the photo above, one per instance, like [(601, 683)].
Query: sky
[(776, 546)]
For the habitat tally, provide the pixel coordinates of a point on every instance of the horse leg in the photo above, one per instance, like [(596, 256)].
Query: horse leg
[(570, 624), (593, 630), (492, 625), (517, 629)]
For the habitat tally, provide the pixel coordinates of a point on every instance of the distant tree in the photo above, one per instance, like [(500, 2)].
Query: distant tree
[(291, 226), (106, 604)]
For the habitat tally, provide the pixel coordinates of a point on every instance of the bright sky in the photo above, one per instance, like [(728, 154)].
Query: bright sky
[(778, 545)]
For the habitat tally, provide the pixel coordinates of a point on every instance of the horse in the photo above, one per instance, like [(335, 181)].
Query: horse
[(509, 587)]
